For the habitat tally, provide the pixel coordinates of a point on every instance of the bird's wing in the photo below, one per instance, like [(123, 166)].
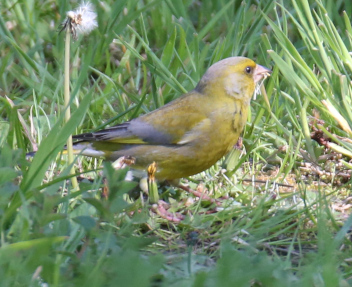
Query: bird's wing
[(119, 133), (177, 123)]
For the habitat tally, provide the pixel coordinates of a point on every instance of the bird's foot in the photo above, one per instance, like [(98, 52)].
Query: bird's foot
[(123, 161), (199, 193), (161, 209)]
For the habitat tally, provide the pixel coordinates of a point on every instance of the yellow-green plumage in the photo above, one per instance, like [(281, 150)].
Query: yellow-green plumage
[(189, 134)]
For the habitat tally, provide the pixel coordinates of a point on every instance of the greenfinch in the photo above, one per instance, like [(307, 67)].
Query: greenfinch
[(189, 134)]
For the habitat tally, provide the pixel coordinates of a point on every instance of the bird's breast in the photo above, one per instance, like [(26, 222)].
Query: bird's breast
[(227, 125), (239, 118)]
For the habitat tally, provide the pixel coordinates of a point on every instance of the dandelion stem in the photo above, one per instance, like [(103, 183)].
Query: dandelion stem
[(67, 105)]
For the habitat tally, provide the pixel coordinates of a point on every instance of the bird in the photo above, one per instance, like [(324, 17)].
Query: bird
[(189, 134)]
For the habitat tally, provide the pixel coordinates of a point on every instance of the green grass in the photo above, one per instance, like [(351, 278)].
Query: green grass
[(145, 54)]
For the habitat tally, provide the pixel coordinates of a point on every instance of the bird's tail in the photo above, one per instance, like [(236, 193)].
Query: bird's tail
[(86, 148), (81, 147)]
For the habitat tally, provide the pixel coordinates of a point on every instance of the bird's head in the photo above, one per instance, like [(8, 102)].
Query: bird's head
[(236, 77)]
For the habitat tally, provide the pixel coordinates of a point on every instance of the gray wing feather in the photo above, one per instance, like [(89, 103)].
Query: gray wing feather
[(132, 129)]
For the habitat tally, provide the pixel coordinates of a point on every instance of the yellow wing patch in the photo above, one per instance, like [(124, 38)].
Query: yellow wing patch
[(127, 141)]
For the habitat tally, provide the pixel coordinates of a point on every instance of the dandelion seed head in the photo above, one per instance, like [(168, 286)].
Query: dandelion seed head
[(81, 21), (85, 7), (71, 14), (86, 18)]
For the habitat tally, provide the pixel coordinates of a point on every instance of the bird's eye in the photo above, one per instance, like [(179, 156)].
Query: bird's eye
[(249, 70)]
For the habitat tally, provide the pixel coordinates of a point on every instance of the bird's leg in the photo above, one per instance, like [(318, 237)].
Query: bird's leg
[(105, 190), (120, 163), (198, 193), (123, 161), (161, 210), (160, 207)]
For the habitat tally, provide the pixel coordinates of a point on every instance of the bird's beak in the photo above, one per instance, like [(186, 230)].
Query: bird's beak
[(261, 72)]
